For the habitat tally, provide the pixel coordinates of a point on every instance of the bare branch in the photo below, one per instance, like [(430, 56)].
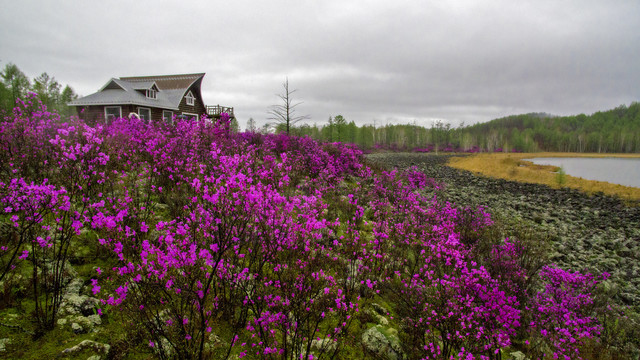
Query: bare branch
[(285, 113)]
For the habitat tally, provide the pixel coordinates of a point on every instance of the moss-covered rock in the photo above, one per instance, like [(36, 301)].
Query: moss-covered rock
[(383, 342)]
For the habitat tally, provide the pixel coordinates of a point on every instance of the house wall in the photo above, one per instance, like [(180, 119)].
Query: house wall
[(90, 114), (198, 107), (95, 114)]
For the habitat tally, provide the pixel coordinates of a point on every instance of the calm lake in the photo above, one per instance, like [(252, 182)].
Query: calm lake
[(614, 170)]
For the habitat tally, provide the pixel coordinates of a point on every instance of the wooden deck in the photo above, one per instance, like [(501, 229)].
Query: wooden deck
[(216, 110)]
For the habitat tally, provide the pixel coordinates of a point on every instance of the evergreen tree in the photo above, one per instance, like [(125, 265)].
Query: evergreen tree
[(16, 83), (251, 125), (48, 90)]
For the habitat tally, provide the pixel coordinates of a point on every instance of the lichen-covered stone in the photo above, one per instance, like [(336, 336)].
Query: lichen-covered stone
[(88, 345), (383, 342), (3, 344), (77, 329)]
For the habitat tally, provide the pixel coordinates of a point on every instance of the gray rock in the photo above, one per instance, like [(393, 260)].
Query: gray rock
[(79, 304), (89, 345), (73, 303), (3, 344), (386, 346), (94, 357), (160, 206), (11, 317), (214, 342), (517, 355), (382, 320), (68, 272), (164, 349), (327, 345), (85, 324), (77, 329), (379, 319), (379, 309)]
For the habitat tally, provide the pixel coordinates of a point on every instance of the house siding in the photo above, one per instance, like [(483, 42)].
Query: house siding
[(197, 108), (91, 114), (95, 114)]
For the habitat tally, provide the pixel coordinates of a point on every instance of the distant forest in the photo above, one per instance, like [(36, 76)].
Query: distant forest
[(612, 131)]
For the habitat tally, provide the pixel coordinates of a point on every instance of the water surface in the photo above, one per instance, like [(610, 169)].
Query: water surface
[(623, 171)]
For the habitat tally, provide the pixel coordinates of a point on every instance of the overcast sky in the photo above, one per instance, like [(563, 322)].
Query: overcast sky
[(370, 61)]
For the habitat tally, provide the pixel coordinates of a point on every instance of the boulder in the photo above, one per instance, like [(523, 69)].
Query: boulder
[(77, 329), (3, 344), (383, 342), (517, 355), (73, 303), (328, 345), (88, 345), (82, 324)]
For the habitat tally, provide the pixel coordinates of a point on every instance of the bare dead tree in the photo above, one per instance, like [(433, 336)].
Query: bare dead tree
[(284, 113)]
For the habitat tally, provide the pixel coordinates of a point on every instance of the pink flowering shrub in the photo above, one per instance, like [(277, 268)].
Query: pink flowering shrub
[(279, 240), (562, 314), (43, 213)]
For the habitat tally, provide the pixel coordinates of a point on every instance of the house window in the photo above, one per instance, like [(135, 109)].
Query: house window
[(144, 113), (191, 100), (190, 116), (167, 116), (152, 94), (112, 112)]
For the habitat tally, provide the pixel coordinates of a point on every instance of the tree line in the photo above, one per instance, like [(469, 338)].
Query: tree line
[(14, 84), (616, 130), (612, 131)]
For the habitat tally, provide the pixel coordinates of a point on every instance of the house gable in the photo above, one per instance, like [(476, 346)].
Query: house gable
[(112, 85), (198, 106)]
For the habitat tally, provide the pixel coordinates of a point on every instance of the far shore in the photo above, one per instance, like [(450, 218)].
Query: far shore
[(513, 166)]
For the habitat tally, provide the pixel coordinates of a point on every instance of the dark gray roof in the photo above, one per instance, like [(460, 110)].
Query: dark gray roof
[(123, 91), (143, 85), (168, 81)]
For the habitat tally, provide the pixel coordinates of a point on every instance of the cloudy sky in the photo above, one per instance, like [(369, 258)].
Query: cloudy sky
[(370, 61)]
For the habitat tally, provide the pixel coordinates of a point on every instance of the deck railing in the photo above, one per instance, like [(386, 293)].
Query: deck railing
[(216, 110)]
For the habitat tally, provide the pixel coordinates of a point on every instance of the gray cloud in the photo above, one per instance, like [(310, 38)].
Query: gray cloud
[(387, 62)]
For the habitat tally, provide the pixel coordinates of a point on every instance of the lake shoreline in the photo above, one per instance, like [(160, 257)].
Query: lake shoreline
[(614, 170), (514, 167)]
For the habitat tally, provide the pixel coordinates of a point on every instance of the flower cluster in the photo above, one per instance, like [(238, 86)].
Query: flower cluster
[(280, 239)]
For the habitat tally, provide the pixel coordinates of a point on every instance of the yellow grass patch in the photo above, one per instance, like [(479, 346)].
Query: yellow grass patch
[(511, 166)]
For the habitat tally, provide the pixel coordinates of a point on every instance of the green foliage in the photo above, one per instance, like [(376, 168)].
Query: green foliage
[(14, 84), (17, 84), (251, 125), (561, 177), (616, 130), (234, 126)]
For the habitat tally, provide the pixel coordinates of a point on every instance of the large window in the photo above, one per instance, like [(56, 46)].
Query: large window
[(112, 112), (144, 113), (191, 100), (190, 116), (167, 116)]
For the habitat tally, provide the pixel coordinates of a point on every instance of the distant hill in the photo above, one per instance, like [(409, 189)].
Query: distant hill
[(616, 130)]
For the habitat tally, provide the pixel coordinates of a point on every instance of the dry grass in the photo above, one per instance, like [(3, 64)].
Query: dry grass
[(510, 166)]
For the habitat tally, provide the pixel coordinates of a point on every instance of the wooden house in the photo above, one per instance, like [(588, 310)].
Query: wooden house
[(150, 98)]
